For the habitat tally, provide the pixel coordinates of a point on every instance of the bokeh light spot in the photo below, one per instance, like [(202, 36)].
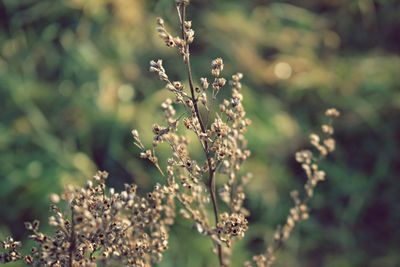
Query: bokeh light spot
[(283, 70)]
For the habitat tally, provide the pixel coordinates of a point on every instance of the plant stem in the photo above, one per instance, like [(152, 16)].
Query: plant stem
[(211, 171), (72, 237)]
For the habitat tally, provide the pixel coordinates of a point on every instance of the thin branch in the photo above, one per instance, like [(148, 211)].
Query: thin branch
[(72, 237), (211, 171)]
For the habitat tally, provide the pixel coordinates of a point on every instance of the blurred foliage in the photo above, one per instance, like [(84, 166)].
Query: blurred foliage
[(74, 80)]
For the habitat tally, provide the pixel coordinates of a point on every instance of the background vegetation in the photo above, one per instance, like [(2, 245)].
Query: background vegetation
[(74, 81)]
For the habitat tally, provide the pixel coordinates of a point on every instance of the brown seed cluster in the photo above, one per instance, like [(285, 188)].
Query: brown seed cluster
[(102, 226), (220, 135), (224, 147), (11, 253), (231, 226), (182, 43), (310, 165)]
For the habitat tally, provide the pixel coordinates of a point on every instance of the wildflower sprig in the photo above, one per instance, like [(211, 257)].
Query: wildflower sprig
[(101, 226), (222, 140), (309, 161)]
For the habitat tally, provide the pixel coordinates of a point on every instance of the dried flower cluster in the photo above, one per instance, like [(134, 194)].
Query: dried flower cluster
[(231, 226), (309, 162), (220, 136), (104, 226), (11, 251)]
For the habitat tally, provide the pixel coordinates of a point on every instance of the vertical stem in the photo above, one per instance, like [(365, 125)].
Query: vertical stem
[(211, 171), (72, 238)]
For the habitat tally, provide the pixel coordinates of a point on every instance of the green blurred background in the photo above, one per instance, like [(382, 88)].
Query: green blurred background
[(74, 81)]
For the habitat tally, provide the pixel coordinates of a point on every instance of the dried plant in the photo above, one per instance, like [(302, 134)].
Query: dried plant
[(101, 226)]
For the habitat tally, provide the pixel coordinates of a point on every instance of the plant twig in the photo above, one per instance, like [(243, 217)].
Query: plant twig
[(211, 171), (72, 237)]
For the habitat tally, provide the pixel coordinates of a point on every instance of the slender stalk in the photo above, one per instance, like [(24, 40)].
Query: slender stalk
[(72, 238), (211, 171)]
